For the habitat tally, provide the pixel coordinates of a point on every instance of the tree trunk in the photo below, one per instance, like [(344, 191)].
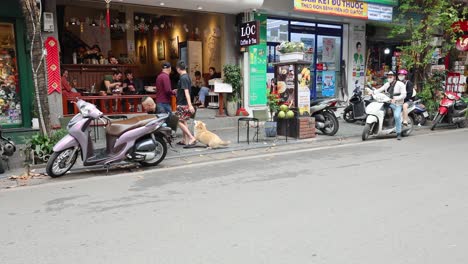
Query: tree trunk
[(31, 13)]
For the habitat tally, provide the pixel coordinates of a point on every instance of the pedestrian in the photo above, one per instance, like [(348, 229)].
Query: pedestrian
[(402, 74), (148, 105), (199, 88), (164, 89), (184, 105)]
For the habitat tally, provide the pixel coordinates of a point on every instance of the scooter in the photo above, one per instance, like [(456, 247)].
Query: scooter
[(380, 120), (7, 149), (419, 114), (356, 110), (452, 110), (323, 112), (139, 139)]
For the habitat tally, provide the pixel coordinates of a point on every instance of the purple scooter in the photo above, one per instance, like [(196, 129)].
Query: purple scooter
[(140, 139)]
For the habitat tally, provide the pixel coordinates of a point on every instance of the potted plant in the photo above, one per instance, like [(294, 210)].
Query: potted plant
[(273, 107), (232, 75), (291, 51)]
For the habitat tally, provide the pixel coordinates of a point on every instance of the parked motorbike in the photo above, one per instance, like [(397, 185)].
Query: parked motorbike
[(356, 110), (419, 114), (323, 112), (380, 120), (452, 110), (140, 139), (7, 149)]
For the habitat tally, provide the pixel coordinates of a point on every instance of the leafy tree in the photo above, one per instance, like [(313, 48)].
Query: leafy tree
[(427, 25), (421, 22)]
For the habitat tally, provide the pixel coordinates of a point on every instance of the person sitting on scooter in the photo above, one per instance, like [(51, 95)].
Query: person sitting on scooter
[(402, 74), (397, 91)]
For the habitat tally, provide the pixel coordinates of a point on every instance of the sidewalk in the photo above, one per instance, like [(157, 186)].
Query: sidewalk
[(224, 127)]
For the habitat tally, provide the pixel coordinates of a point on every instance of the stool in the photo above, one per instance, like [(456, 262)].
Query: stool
[(247, 120)]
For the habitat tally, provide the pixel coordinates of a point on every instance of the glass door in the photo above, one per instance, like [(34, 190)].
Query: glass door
[(328, 66)]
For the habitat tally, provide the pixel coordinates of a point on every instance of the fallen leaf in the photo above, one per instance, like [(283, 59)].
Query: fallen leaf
[(14, 177)]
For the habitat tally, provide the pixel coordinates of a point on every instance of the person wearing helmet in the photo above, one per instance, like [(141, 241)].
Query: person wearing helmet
[(397, 91), (402, 77)]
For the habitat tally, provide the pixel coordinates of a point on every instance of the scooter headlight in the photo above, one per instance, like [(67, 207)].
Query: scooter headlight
[(450, 96)]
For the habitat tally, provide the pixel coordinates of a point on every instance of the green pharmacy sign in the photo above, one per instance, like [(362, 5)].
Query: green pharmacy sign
[(382, 2)]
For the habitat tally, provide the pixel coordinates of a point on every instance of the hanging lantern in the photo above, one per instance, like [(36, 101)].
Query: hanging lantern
[(108, 12)]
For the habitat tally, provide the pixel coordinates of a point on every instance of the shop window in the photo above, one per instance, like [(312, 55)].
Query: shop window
[(10, 108), (277, 30)]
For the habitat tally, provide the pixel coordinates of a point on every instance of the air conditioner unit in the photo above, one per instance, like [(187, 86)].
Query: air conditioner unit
[(48, 22)]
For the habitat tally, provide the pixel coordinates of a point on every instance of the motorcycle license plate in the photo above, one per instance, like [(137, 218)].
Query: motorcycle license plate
[(425, 114)]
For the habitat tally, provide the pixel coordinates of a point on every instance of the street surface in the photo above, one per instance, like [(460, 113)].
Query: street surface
[(382, 201)]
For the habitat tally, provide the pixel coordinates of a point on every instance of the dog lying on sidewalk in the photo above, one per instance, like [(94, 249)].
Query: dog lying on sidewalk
[(208, 138)]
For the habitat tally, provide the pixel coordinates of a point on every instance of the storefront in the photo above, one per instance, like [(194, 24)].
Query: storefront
[(334, 36), (323, 45), (15, 72)]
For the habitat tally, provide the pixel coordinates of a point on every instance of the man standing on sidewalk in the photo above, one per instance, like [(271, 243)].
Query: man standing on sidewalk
[(164, 90), (184, 104)]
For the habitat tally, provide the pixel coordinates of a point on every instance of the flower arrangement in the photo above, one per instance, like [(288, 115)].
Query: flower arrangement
[(288, 47), (273, 101)]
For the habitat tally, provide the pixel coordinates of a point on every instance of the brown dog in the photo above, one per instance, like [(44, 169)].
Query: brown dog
[(207, 137)]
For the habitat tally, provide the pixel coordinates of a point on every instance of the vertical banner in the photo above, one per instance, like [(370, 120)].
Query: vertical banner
[(53, 66), (303, 91), (358, 57), (258, 74), (258, 66)]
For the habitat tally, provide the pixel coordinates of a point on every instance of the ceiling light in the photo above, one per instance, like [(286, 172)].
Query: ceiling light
[(162, 4), (199, 7)]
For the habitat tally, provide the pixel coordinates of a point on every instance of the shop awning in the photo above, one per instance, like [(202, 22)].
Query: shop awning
[(218, 6)]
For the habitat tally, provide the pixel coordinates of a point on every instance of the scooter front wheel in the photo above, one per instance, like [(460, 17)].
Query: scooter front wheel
[(61, 162), (436, 121), (348, 114), (366, 132)]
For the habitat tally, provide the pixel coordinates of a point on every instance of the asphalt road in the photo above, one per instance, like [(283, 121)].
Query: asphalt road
[(382, 201)]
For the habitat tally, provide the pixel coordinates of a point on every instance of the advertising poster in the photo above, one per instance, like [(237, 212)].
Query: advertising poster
[(358, 58), (285, 84), (328, 52), (303, 90), (329, 81), (258, 74)]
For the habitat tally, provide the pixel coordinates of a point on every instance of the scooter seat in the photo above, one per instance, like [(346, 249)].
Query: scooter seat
[(316, 102), (119, 127)]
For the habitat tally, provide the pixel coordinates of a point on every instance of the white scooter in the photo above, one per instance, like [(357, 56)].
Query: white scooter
[(380, 120)]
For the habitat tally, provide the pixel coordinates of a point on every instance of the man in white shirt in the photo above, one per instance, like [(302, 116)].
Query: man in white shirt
[(397, 91)]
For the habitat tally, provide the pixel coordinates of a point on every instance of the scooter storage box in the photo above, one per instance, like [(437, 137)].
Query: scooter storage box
[(460, 105)]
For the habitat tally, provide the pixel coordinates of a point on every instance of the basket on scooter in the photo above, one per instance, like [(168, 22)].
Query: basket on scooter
[(460, 105), (359, 110)]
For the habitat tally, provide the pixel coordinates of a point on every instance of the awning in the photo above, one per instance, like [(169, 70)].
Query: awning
[(218, 6)]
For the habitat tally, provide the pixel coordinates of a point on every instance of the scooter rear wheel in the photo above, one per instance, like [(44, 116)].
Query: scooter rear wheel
[(331, 124), (160, 153), (58, 163)]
